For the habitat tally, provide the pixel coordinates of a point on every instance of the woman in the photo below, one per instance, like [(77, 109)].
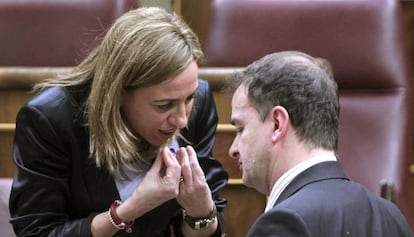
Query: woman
[(104, 151)]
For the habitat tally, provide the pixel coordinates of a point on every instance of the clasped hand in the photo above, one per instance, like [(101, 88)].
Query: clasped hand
[(179, 177)]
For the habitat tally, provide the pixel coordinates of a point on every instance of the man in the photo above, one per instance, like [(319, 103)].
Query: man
[(285, 109)]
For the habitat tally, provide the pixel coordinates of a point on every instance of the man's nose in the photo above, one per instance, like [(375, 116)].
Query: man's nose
[(233, 151)]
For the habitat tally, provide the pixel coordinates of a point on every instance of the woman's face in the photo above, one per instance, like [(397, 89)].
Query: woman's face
[(158, 111)]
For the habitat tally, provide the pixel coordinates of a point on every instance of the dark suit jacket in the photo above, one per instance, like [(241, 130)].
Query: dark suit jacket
[(322, 201), (58, 190)]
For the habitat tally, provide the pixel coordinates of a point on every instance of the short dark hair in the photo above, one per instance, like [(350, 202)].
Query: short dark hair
[(303, 85)]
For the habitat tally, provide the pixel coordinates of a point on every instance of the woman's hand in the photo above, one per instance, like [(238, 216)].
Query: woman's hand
[(194, 193), (160, 184)]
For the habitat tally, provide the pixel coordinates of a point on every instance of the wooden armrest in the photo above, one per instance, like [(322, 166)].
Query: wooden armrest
[(27, 77)]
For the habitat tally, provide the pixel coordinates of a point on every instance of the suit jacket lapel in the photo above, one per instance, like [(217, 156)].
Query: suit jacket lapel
[(318, 172)]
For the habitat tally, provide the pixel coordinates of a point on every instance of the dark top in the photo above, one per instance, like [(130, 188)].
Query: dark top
[(323, 202), (58, 190)]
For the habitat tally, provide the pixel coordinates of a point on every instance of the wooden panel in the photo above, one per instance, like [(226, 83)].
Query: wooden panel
[(7, 168), (192, 13), (223, 104), (244, 205), (408, 12), (220, 152), (16, 84), (10, 101), (216, 77)]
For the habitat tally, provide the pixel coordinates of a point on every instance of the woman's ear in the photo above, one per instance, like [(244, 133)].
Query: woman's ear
[(280, 120)]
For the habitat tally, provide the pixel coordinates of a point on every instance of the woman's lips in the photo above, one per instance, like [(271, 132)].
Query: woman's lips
[(167, 134)]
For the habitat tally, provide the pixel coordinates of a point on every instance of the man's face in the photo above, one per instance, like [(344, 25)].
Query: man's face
[(251, 144)]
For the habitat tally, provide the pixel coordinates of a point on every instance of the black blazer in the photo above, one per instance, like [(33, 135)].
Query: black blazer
[(58, 190), (323, 202)]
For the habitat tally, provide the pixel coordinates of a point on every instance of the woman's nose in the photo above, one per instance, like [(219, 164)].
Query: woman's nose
[(180, 117)]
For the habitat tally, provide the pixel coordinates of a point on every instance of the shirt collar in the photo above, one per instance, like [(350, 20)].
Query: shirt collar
[(287, 177)]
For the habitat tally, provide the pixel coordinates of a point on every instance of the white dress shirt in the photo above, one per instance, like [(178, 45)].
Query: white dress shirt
[(287, 177)]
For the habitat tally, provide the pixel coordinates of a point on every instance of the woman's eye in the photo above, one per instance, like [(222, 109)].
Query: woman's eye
[(189, 99), (165, 107)]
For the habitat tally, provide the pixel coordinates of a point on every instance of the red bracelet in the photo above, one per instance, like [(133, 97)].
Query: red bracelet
[(116, 221)]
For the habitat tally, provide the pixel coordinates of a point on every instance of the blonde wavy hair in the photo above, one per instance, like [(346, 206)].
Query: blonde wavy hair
[(143, 47)]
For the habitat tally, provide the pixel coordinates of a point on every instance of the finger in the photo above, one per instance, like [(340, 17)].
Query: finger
[(197, 171), (170, 168), (168, 157), (185, 166)]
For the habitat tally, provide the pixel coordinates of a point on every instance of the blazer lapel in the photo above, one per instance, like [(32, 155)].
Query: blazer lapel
[(318, 172)]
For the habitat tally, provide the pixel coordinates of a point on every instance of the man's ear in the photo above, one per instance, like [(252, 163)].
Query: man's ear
[(280, 120)]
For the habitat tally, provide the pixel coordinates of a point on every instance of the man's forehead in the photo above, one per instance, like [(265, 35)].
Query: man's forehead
[(240, 105), (239, 97)]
